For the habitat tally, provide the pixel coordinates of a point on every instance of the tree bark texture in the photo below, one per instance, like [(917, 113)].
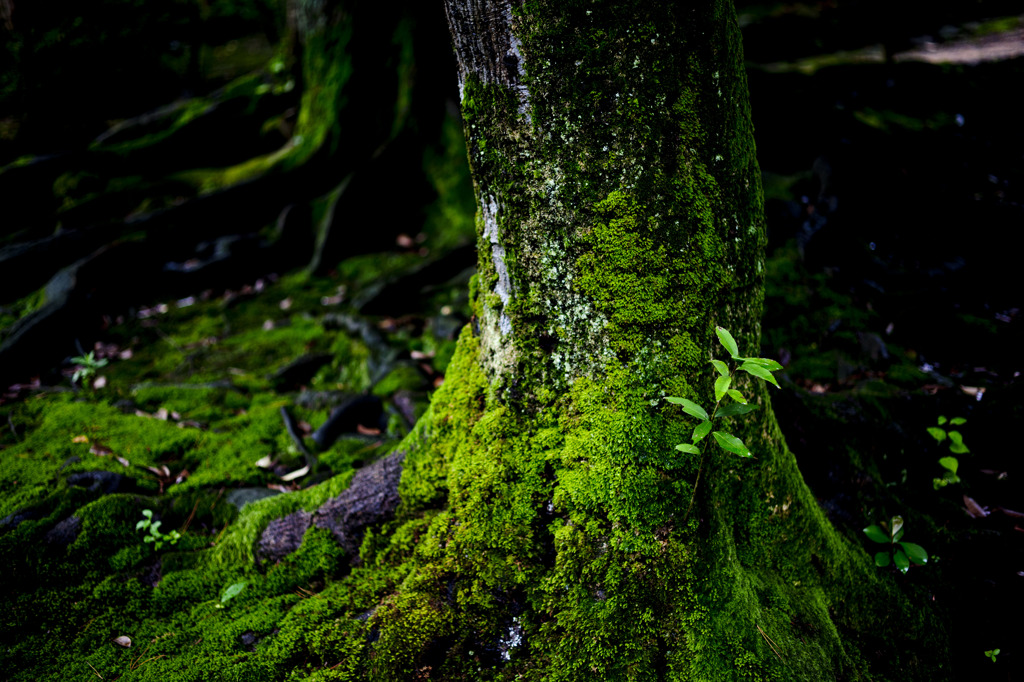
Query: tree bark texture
[(620, 220)]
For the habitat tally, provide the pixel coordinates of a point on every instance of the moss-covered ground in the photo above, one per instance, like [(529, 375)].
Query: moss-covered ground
[(185, 420)]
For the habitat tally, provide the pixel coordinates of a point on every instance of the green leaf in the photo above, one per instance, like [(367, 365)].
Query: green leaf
[(149, 538), (141, 524), (876, 534), (148, 513), (882, 559), (232, 591), (686, 447), (703, 429), (951, 463), (958, 443), (721, 386), (957, 421), (942, 420), (901, 560), (722, 368), (767, 363), (732, 444), (689, 407), (734, 409), (937, 433), (727, 341), (759, 372), (737, 396), (915, 552), (895, 524)]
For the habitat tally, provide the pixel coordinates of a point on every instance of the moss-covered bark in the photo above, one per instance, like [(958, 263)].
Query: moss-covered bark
[(619, 221)]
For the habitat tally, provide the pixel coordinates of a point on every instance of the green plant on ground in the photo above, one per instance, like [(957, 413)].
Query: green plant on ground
[(992, 653), (155, 536), (900, 553), (761, 368), (956, 446), (950, 464), (956, 439), (86, 366)]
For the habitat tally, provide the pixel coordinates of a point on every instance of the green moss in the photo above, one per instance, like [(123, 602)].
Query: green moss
[(401, 377), (9, 314), (543, 530)]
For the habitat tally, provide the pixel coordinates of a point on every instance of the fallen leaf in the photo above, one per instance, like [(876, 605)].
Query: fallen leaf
[(162, 413), (265, 462), (161, 471), (80, 439), (367, 431), (268, 325), (285, 304), (298, 473), (123, 462), (100, 451), (974, 510), (126, 354), (126, 642), (1010, 513), (334, 300), (975, 391), (100, 382)]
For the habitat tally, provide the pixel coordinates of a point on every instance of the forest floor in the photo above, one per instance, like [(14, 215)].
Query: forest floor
[(892, 300)]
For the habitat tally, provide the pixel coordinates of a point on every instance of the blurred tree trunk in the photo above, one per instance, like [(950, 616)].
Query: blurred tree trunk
[(619, 221), (372, 99)]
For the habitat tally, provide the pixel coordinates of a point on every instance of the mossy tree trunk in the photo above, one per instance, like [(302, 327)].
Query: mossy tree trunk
[(619, 222)]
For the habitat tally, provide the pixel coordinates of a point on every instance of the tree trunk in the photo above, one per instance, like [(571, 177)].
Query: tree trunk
[(619, 222)]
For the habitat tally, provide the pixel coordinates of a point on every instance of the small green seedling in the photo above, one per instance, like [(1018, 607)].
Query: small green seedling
[(230, 593), (155, 536), (956, 446), (956, 439), (992, 653), (950, 464), (899, 553), (761, 368), (86, 366)]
